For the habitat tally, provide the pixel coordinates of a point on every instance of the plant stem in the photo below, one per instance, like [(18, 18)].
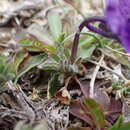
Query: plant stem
[(86, 23)]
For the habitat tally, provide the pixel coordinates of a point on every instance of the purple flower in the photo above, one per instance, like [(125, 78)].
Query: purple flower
[(117, 15), (116, 22)]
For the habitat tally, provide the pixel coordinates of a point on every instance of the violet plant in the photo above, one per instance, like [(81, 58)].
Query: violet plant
[(116, 24)]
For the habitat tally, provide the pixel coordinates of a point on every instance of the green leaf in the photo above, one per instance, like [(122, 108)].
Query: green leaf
[(119, 125), (50, 64), (22, 126), (35, 45), (7, 70), (36, 60), (54, 84), (67, 53), (55, 25), (41, 33), (61, 37), (55, 57), (27, 127), (78, 128), (87, 45), (95, 112), (60, 49), (18, 58), (122, 59), (125, 126), (86, 52)]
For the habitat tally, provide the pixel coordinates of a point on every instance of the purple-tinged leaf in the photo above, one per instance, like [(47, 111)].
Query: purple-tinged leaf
[(89, 111), (78, 128), (77, 110), (102, 99), (115, 109), (95, 112), (100, 96)]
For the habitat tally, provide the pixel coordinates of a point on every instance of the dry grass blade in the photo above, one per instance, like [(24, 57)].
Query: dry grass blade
[(94, 76)]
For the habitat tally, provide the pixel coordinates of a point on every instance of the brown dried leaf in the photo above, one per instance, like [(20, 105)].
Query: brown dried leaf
[(63, 95)]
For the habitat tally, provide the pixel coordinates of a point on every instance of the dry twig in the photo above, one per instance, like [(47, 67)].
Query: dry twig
[(94, 77)]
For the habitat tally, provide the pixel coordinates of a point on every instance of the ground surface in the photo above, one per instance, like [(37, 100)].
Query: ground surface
[(44, 94)]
